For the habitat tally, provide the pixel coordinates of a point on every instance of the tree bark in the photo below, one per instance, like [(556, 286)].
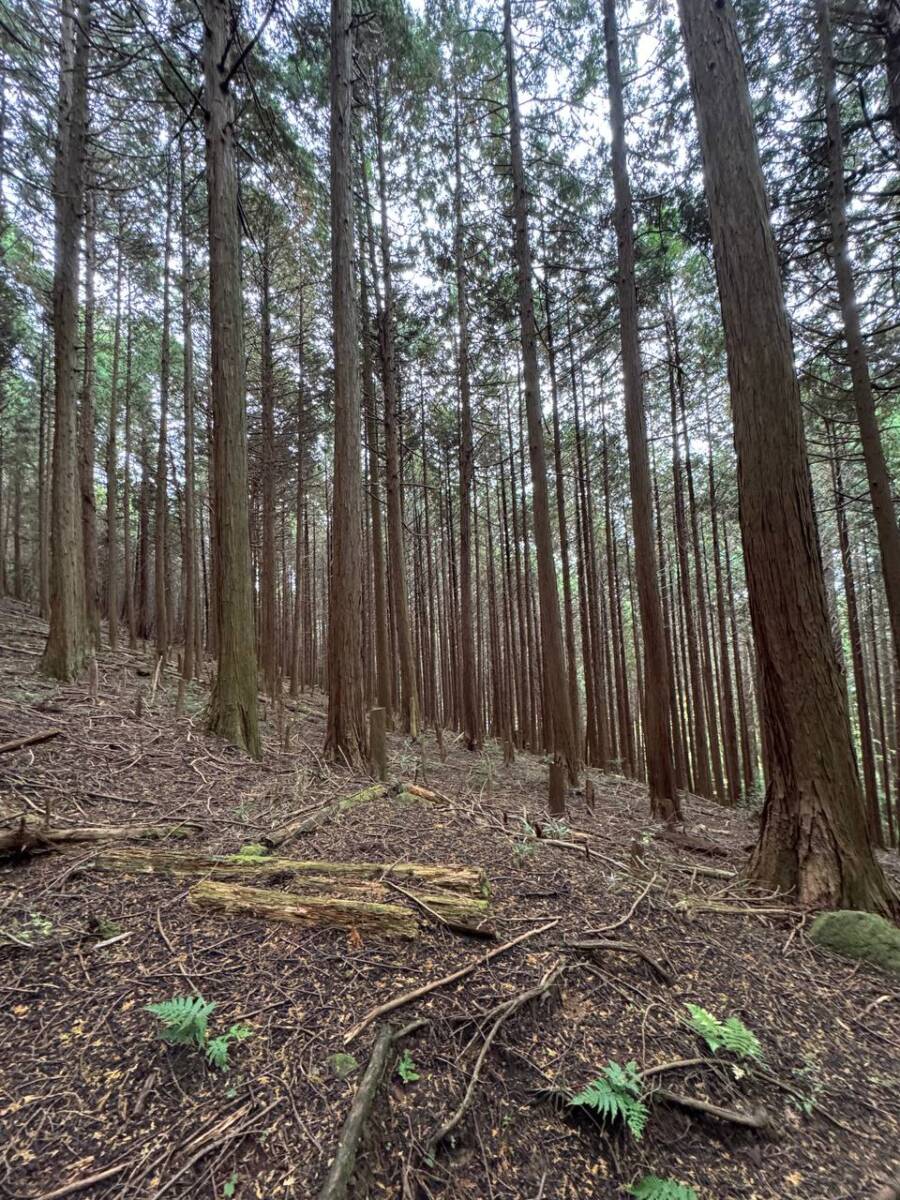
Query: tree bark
[(346, 731), (555, 691), (68, 639), (664, 802), (814, 842), (873, 451), (232, 707)]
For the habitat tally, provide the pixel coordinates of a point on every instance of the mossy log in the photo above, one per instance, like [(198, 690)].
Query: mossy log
[(367, 918), (321, 816), (467, 881), (32, 835)]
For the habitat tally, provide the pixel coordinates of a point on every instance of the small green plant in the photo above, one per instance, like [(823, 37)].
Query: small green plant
[(217, 1048), (731, 1034), (810, 1087), (406, 1068), (343, 1064), (652, 1187), (556, 829), (185, 1021), (524, 845), (616, 1095), (228, 1188), (105, 928)]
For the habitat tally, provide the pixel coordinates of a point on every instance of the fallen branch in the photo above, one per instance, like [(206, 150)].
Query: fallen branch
[(328, 812), (506, 1010), (365, 917), (623, 948), (335, 1186), (756, 1120), (623, 920), (32, 739), (431, 905), (416, 993)]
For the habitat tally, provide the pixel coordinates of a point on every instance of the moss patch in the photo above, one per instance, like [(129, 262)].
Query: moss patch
[(859, 935)]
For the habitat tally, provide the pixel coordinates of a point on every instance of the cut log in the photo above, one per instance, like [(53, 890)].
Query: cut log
[(328, 812), (469, 881), (31, 835), (365, 917)]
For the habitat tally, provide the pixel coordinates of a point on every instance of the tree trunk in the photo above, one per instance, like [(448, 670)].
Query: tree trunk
[(556, 692), (346, 732), (160, 519), (67, 642), (814, 841), (232, 706), (664, 802), (87, 430), (112, 485), (873, 452), (191, 594), (268, 634)]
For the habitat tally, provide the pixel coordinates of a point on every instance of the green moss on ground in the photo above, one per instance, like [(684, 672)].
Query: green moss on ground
[(859, 935)]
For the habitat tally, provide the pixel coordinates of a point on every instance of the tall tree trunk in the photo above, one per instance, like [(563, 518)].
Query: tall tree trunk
[(409, 698), (112, 482), (873, 451), (191, 594), (470, 721), (814, 840), (345, 737), (43, 496), (555, 690), (664, 802), (68, 640), (87, 429), (268, 634), (161, 507), (127, 559), (232, 706)]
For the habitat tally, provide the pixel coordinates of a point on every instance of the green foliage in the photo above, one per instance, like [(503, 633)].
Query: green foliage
[(616, 1095), (652, 1187), (731, 1034), (228, 1188), (406, 1068), (217, 1048), (105, 929), (184, 1020), (556, 829), (250, 852), (859, 935)]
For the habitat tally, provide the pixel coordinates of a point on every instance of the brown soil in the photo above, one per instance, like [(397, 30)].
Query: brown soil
[(87, 1088)]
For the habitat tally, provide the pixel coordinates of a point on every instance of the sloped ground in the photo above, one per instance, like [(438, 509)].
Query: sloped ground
[(87, 1089)]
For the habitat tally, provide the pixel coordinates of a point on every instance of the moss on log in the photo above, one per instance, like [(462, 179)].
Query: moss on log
[(859, 935), (367, 918), (328, 812), (467, 881)]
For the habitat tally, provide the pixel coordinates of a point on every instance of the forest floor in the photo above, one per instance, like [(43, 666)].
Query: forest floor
[(89, 1091)]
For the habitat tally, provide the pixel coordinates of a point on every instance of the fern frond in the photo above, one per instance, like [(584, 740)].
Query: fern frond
[(652, 1187), (217, 1048), (732, 1034), (184, 1019), (740, 1040), (616, 1096)]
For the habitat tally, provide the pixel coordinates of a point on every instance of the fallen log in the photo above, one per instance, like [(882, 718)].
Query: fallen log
[(31, 835), (32, 739), (328, 812), (599, 945), (470, 881), (365, 917)]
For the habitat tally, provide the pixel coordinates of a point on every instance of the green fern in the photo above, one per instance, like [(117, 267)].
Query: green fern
[(651, 1187), (616, 1095), (731, 1034), (217, 1048), (184, 1019)]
